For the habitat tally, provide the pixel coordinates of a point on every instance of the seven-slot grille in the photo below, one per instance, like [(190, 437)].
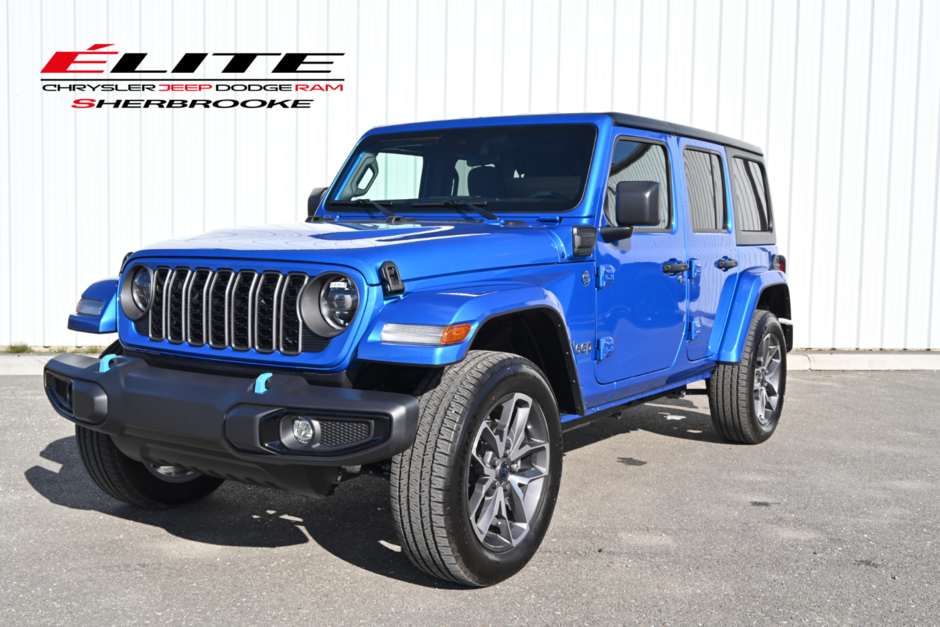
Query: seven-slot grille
[(241, 310)]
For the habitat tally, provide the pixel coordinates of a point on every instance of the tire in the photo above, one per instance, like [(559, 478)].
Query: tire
[(131, 481), (746, 398), (134, 482), (446, 485)]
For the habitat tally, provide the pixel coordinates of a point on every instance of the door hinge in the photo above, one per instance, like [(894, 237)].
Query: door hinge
[(605, 275), (605, 347), (695, 269), (695, 329)]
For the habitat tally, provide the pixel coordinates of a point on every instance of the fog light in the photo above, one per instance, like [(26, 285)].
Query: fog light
[(303, 430)]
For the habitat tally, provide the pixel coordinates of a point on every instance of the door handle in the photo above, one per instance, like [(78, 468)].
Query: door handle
[(724, 263), (675, 268)]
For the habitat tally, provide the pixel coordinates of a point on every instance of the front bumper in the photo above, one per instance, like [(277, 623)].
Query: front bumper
[(218, 425)]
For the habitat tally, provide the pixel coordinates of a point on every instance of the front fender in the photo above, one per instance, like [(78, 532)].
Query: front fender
[(106, 321), (445, 307), (750, 285)]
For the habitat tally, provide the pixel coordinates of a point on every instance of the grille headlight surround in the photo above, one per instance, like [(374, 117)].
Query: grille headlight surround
[(329, 303), (137, 292)]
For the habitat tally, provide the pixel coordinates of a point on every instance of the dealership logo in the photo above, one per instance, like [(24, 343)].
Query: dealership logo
[(75, 71)]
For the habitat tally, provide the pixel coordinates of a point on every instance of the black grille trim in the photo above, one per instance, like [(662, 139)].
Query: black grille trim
[(219, 292), (61, 388), (267, 298), (344, 432), (291, 325), (157, 313), (196, 306), (176, 289), (227, 309), (242, 308)]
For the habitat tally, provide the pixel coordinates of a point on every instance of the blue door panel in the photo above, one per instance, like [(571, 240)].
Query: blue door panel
[(711, 288), (643, 309)]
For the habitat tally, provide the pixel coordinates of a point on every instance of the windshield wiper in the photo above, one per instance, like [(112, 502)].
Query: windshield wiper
[(365, 202), (459, 203)]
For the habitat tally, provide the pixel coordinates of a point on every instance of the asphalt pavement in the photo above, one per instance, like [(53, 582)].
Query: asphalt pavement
[(835, 520)]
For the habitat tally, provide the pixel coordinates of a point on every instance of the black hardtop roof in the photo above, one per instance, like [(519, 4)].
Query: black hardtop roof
[(659, 126)]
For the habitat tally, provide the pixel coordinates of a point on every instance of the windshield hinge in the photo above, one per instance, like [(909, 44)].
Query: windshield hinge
[(392, 285), (550, 220)]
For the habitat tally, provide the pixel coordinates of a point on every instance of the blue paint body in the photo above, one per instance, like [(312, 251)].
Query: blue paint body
[(106, 322), (474, 271)]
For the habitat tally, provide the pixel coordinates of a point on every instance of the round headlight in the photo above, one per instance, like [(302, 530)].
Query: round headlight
[(136, 291), (328, 304), (142, 289), (339, 300)]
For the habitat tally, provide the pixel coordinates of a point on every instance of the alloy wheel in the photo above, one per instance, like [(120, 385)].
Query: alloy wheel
[(767, 379), (508, 472), (172, 474)]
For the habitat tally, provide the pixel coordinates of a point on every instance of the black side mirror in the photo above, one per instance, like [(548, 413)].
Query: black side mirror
[(313, 201), (637, 205)]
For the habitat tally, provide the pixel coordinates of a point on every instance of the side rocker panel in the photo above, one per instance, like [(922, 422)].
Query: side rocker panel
[(750, 286)]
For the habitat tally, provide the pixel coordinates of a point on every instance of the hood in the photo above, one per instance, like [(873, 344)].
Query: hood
[(419, 249)]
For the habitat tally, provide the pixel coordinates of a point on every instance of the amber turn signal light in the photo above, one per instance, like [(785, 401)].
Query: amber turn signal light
[(455, 334)]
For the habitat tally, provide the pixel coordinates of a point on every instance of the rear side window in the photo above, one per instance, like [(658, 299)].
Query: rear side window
[(706, 184), (750, 195), (639, 161)]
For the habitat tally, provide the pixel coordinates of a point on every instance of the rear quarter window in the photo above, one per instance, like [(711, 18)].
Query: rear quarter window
[(749, 189), (705, 182)]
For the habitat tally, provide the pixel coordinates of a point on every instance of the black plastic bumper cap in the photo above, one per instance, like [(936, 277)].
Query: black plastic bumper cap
[(89, 402)]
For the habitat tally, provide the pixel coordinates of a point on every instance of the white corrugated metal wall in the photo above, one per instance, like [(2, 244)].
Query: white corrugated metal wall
[(843, 96)]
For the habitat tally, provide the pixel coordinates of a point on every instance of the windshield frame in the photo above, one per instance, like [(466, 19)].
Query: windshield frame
[(404, 206)]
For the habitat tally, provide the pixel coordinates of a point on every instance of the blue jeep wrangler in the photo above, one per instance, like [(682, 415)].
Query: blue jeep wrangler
[(463, 293)]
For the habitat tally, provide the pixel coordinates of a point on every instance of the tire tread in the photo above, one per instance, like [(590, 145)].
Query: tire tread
[(729, 394), (420, 515)]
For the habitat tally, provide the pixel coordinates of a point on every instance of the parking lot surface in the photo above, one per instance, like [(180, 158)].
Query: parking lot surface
[(835, 520)]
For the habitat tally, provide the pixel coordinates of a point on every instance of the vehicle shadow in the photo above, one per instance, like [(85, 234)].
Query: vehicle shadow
[(355, 524), (674, 418)]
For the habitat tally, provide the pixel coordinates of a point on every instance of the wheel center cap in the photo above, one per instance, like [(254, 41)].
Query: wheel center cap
[(504, 471)]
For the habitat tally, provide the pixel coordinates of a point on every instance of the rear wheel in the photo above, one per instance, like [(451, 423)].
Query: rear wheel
[(746, 398), (473, 497)]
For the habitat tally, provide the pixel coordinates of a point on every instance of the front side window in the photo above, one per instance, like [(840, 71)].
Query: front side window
[(639, 161), (536, 168), (706, 184), (395, 176), (750, 195)]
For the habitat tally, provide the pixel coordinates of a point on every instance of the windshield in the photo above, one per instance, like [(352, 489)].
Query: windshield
[(503, 168)]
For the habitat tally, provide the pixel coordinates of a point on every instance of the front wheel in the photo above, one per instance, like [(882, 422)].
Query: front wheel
[(147, 486), (473, 497), (746, 398)]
